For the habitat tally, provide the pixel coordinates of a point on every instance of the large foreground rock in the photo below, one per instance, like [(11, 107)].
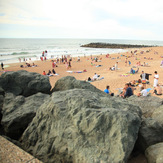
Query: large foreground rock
[(82, 126), (24, 83), (19, 111), (154, 153), (69, 82)]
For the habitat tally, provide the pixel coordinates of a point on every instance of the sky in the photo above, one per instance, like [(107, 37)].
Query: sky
[(94, 19)]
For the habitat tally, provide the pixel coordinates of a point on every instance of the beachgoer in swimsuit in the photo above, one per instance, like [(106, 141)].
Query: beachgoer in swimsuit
[(158, 90)]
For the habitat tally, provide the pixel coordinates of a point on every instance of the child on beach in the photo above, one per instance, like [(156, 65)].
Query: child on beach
[(44, 73)]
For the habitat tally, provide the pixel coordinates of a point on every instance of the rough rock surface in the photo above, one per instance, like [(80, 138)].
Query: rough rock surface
[(154, 153), (147, 104), (82, 126), (69, 82), (158, 115), (24, 83), (1, 102), (19, 111), (150, 133)]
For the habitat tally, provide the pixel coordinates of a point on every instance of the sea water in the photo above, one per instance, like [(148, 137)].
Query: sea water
[(13, 49)]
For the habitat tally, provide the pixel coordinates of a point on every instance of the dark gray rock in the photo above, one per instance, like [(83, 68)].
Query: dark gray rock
[(69, 82), (2, 92), (79, 125), (25, 83), (158, 115), (19, 111), (150, 133), (154, 153), (1, 102), (147, 104)]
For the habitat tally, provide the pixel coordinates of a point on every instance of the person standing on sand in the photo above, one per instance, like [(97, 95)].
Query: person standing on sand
[(126, 62), (143, 79), (2, 66), (53, 64), (156, 77), (116, 66)]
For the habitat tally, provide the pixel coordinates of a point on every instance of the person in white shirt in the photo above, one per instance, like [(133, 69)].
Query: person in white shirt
[(116, 66), (156, 77), (143, 92), (95, 77)]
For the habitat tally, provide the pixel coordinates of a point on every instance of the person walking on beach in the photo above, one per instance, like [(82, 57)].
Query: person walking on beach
[(53, 64), (156, 77), (2, 66)]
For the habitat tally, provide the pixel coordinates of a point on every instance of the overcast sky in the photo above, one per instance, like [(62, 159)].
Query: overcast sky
[(101, 19)]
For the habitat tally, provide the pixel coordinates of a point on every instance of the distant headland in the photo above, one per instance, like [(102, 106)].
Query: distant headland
[(114, 46)]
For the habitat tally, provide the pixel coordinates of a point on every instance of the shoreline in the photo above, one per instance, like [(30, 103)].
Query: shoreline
[(115, 79)]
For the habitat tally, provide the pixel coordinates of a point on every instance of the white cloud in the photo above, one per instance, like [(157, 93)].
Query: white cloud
[(92, 18)]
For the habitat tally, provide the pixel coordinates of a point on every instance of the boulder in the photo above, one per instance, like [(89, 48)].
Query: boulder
[(158, 115), (1, 102), (69, 82), (80, 125), (147, 104), (25, 83), (19, 111), (154, 153), (150, 133), (2, 92)]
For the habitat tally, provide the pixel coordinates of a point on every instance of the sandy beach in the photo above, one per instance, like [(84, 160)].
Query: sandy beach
[(115, 79)]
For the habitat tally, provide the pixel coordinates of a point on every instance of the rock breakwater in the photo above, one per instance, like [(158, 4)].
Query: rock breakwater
[(113, 46)]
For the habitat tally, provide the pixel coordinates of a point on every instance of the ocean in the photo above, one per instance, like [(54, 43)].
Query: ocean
[(13, 49)]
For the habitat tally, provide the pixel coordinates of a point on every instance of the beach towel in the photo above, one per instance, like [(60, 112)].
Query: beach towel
[(125, 75), (6, 66), (78, 71), (98, 65), (70, 71), (148, 89)]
